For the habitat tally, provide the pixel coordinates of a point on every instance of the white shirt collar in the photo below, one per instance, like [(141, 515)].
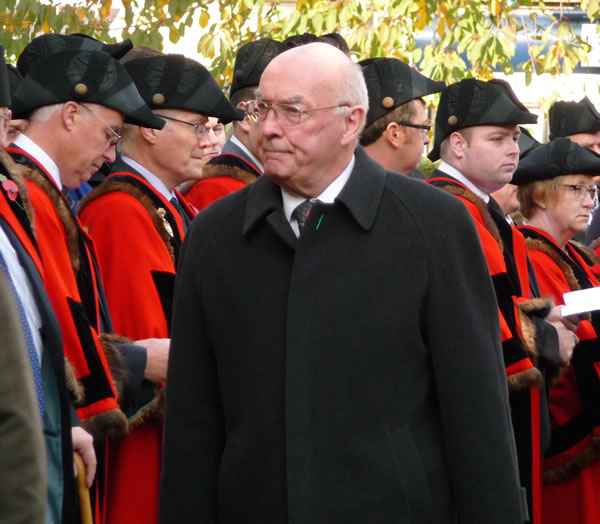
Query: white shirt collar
[(290, 201), (238, 143), (152, 179), (452, 171), (29, 146)]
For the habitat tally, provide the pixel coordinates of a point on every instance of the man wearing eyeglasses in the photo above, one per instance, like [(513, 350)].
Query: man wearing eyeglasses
[(397, 128), (476, 136), (326, 341), (76, 102), (138, 221), (239, 164)]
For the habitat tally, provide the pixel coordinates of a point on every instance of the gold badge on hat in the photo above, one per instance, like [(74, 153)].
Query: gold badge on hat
[(387, 102), (80, 89), (452, 120), (158, 99)]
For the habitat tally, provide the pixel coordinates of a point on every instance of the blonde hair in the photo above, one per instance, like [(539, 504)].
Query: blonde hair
[(540, 191)]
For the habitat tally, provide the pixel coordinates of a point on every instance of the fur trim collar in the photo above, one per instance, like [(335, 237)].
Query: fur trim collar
[(209, 171), (159, 223), (488, 221), (542, 246), (17, 174), (64, 213)]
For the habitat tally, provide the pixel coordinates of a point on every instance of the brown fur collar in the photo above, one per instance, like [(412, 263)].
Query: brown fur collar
[(17, 174), (154, 411), (64, 212), (587, 252), (73, 385), (573, 467), (533, 307), (109, 187), (209, 171), (490, 225), (594, 245), (116, 363), (530, 378), (540, 245), (108, 424)]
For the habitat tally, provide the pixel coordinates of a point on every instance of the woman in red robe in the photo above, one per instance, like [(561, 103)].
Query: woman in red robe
[(557, 195)]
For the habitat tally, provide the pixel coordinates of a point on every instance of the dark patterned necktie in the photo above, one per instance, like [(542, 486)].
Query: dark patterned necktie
[(28, 336), (302, 212), (177, 205)]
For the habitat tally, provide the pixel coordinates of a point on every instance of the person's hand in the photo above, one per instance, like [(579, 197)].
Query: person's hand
[(83, 443), (157, 358), (565, 328)]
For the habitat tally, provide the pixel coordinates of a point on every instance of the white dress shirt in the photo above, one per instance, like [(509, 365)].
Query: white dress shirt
[(24, 290), (152, 179), (452, 171), (29, 146)]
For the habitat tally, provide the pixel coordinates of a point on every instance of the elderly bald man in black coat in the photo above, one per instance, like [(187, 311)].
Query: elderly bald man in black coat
[(338, 364)]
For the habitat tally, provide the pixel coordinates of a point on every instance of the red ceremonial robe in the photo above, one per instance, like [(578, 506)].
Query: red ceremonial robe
[(138, 234), (72, 282), (506, 254), (571, 465), (223, 175)]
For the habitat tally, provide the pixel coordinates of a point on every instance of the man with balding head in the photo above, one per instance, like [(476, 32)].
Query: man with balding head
[(312, 377)]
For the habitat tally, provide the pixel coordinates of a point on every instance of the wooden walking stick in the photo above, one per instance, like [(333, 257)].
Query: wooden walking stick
[(83, 491)]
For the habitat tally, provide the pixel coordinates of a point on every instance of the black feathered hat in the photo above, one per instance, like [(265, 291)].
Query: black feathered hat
[(558, 157), (472, 102), (391, 83), (526, 142), (250, 62), (47, 44), (177, 82), (569, 118), (84, 77)]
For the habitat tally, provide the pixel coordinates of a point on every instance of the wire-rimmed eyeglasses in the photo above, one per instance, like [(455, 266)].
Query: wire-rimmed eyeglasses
[(579, 191), (285, 114), (199, 129), (117, 137)]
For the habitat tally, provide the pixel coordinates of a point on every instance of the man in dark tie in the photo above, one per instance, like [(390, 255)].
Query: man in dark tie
[(239, 164), (21, 265), (138, 221), (324, 361), (476, 136)]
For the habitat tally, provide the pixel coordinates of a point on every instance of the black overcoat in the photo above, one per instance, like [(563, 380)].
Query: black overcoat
[(353, 375)]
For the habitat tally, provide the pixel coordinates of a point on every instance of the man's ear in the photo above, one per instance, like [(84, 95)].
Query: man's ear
[(392, 134), (149, 135), (354, 120), (458, 144), (71, 112), (245, 124)]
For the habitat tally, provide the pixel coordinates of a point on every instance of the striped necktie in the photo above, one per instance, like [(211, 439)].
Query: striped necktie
[(27, 334)]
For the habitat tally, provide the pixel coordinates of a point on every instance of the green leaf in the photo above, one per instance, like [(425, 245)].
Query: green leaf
[(417, 55), (384, 33), (562, 31), (174, 35), (331, 19), (317, 23)]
